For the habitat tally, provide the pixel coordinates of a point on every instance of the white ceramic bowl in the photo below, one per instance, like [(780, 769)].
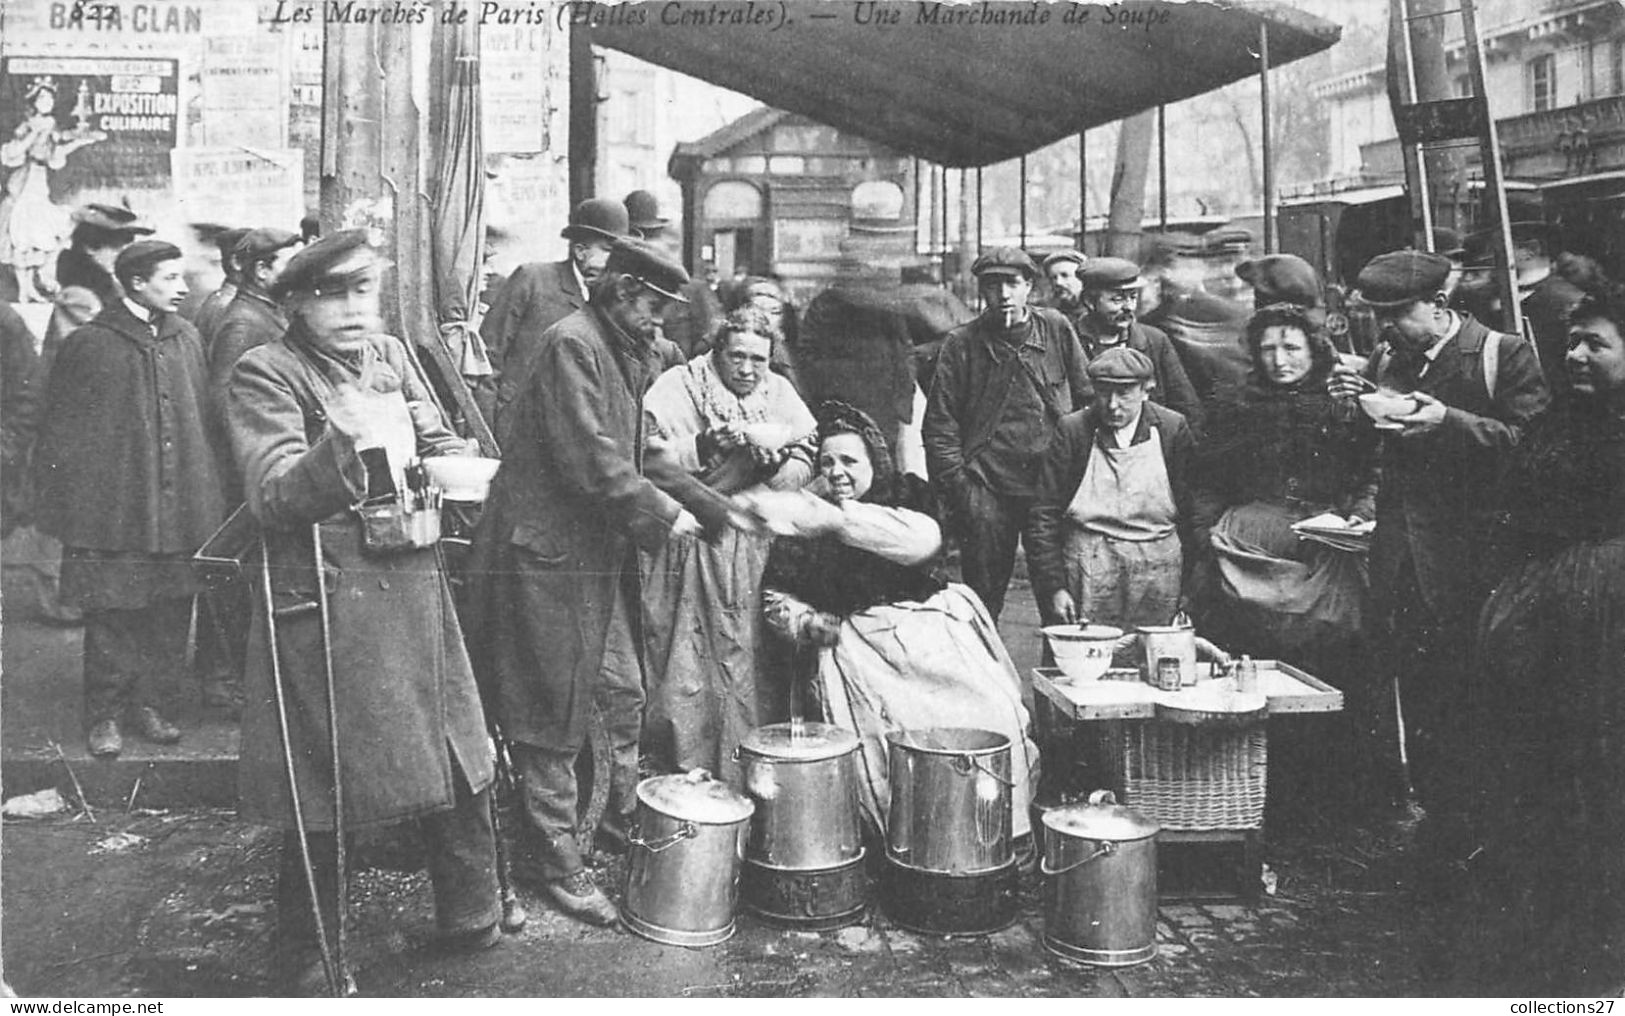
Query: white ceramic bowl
[(1083, 651), (462, 477), (1383, 406)]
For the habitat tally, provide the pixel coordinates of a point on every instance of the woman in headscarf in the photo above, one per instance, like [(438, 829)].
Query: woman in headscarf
[(729, 420), (888, 645), (1549, 708)]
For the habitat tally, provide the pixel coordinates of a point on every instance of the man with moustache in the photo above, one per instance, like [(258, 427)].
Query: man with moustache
[(1065, 288), (129, 483), (1110, 298), (1001, 384)]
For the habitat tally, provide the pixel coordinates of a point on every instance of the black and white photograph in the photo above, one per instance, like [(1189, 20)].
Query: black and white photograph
[(704, 499)]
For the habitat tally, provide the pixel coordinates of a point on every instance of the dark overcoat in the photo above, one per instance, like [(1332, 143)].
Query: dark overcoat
[(408, 713), (535, 298), (123, 461), (251, 320)]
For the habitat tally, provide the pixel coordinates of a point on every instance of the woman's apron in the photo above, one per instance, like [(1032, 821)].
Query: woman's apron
[(1121, 551)]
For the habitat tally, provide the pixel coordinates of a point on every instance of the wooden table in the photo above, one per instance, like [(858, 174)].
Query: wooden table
[(1119, 706)]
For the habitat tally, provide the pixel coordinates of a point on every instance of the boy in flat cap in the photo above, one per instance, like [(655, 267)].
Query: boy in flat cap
[(569, 508), (128, 482), (1109, 319), (1474, 391), (1113, 515), (319, 418), (1001, 384)]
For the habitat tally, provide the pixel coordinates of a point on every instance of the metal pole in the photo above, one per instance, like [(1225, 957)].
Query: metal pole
[(1024, 202), (1162, 165), (1422, 197), (1265, 135), (326, 618), (1505, 269), (1083, 190), (978, 209)]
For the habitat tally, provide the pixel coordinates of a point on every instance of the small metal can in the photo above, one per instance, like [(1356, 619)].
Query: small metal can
[(1246, 674), (1168, 673)]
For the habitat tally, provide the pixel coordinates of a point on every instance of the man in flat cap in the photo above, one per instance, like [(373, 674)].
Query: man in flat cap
[(1111, 296), (1066, 290), (1113, 515), (206, 317), (540, 294), (1001, 384), (328, 414), (1473, 391), (129, 483), (569, 509)]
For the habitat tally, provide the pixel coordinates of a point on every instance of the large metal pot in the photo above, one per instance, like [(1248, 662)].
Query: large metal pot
[(682, 872), (803, 780), (1100, 866), (950, 800)]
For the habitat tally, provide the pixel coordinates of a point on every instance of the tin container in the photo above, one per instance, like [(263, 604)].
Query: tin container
[(1178, 641), (1167, 674), (950, 799), (1100, 893), (682, 872)]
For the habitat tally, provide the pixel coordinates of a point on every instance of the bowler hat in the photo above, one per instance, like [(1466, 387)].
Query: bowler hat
[(1401, 277), (1281, 278), (262, 243), (1120, 365), (597, 219), (1004, 261), (649, 265), (312, 269), (643, 210), (1110, 273)]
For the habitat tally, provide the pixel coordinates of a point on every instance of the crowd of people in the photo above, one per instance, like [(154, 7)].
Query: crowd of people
[(714, 512)]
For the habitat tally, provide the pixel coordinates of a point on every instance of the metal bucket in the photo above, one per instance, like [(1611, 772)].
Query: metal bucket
[(1100, 867), (803, 780), (682, 872), (950, 800), (1163, 641)]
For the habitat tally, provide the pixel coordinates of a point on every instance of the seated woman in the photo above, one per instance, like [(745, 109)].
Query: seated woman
[(728, 420), (1549, 710), (1279, 451), (891, 647)]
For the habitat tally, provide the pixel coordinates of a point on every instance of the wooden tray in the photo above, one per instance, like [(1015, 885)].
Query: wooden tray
[(1122, 695)]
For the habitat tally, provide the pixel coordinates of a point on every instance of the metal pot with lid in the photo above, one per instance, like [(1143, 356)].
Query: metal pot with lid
[(682, 872), (1100, 866)]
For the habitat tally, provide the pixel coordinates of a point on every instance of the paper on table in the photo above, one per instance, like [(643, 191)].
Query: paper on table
[(1335, 531)]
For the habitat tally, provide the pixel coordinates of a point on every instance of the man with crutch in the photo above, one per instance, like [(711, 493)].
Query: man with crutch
[(360, 708)]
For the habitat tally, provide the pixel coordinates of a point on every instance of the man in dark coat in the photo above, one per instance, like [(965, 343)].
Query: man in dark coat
[(1001, 384), (128, 482), (310, 416), (212, 308), (568, 509), (538, 295), (1545, 298), (1474, 392), (1111, 294)]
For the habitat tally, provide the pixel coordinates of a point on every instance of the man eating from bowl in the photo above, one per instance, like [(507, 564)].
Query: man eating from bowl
[(1474, 390)]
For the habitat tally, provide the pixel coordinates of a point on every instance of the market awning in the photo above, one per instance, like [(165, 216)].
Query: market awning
[(963, 84)]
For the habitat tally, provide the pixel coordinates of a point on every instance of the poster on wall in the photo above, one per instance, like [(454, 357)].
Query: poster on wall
[(89, 122)]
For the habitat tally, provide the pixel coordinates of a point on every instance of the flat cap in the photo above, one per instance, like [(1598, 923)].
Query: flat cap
[(1401, 277), (1120, 365), (649, 265), (1281, 278), (115, 217), (321, 265), (597, 219), (643, 210), (1004, 261), (140, 257), (228, 239), (1110, 273), (1075, 257), (263, 242)]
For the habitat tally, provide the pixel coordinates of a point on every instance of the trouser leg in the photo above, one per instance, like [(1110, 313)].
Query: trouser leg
[(547, 779), (462, 863), (126, 650), (987, 544), (223, 616), (619, 696)]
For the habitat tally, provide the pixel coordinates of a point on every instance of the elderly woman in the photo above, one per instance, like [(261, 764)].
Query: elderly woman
[(319, 420), (890, 645), (1549, 712), (730, 421), (1279, 451)]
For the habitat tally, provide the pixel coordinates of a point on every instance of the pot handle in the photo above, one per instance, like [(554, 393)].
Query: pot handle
[(1106, 847), (966, 764), (685, 831)]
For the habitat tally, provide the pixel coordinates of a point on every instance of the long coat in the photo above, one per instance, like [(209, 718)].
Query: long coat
[(566, 507), (1440, 491), (249, 321), (535, 298), (408, 713), (124, 461)]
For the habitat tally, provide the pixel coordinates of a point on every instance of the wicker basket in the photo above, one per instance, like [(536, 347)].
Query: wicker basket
[(1188, 777)]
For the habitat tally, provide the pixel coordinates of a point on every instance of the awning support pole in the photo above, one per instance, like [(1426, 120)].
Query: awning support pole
[(1024, 202), (1267, 140), (1162, 165)]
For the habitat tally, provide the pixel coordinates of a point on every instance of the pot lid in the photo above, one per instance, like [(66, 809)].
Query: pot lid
[(805, 742), (1101, 819), (695, 796)]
